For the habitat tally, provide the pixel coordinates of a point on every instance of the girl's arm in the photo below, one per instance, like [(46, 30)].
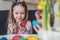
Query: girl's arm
[(29, 27)]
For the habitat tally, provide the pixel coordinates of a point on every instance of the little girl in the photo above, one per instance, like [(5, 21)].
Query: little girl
[(18, 14)]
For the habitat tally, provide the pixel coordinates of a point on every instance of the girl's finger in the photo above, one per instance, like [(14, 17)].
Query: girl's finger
[(12, 26)]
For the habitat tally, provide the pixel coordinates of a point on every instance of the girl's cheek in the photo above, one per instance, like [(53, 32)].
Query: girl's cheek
[(16, 16)]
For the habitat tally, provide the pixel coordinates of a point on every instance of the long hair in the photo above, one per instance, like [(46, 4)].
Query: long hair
[(11, 17)]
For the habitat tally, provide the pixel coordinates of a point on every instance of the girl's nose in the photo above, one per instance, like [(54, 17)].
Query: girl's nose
[(19, 15)]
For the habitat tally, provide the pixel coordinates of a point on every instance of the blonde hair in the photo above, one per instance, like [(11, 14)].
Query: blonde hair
[(11, 17)]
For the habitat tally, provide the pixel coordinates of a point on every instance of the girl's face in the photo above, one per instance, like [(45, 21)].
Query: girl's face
[(18, 13)]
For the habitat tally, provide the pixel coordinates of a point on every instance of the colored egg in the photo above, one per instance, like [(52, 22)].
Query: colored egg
[(22, 38), (32, 38), (22, 24), (16, 37), (3, 38)]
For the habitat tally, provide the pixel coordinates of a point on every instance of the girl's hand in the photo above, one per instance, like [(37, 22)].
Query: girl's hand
[(23, 30), (11, 27)]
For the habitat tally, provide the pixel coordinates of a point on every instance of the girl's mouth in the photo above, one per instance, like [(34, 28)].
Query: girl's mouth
[(20, 18)]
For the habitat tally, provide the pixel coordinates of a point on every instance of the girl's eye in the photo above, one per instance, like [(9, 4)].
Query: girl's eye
[(16, 13), (22, 13)]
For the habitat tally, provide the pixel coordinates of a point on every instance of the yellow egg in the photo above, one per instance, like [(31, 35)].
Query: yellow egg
[(32, 38)]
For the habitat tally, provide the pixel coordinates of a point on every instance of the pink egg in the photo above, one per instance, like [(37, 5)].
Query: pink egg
[(16, 37)]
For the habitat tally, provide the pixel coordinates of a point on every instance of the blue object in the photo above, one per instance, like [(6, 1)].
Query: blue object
[(3, 38), (34, 23)]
